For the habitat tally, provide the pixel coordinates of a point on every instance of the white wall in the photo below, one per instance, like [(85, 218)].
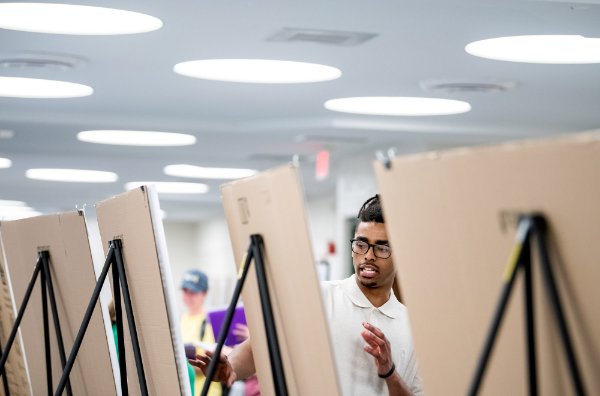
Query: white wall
[(354, 185), (181, 241)]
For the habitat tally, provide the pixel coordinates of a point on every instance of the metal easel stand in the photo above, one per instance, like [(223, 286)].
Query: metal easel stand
[(115, 257), (255, 252), (529, 226), (42, 266), (4, 379)]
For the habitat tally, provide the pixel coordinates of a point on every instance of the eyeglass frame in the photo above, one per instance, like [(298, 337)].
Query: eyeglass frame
[(370, 245)]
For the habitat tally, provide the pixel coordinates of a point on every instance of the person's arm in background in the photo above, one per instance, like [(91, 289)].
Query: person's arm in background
[(379, 347), (239, 364)]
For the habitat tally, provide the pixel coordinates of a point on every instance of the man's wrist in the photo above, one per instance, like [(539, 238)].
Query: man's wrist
[(389, 373)]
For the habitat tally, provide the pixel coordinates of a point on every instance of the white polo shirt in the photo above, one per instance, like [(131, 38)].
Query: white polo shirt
[(347, 307)]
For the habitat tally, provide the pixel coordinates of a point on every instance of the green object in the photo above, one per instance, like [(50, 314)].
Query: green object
[(114, 327), (192, 374)]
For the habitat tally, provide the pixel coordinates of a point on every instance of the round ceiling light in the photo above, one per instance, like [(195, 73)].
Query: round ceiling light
[(5, 163), (171, 187), (397, 106), (16, 213), (11, 203), (553, 49), (74, 19), (72, 175), (257, 71), (35, 88), (199, 172), (136, 138)]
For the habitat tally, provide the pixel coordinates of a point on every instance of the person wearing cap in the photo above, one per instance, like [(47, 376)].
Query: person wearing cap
[(195, 327), (372, 345)]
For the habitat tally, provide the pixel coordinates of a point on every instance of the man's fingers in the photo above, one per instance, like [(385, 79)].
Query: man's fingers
[(372, 338), (197, 363), (211, 354), (373, 329)]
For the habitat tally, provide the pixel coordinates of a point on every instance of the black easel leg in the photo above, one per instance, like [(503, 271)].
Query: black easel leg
[(84, 324), (15, 328), (130, 318), (509, 279), (269, 319), (529, 318), (57, 328), (557, 308), (4, 379), (120, 332), (212, 366), (46, 333)]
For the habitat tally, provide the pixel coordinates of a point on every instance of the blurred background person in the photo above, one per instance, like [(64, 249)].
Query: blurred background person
[(195, 327)]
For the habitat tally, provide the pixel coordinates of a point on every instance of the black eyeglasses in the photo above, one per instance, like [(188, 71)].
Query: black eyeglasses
[(362, 247)]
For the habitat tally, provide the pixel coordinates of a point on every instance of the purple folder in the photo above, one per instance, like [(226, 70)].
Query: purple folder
[(217, 318)]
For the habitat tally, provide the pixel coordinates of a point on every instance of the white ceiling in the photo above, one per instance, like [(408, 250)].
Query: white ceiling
[(417, 44)]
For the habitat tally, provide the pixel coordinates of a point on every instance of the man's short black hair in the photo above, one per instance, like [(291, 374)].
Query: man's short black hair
[(371, 211)]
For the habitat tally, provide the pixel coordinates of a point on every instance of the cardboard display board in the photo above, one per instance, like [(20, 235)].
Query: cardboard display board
[(450, 216), (134, 218), (271, 204), (16, 373), (65, 237)]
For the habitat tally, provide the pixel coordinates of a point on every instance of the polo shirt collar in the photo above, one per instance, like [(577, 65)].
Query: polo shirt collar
[(392, 308)]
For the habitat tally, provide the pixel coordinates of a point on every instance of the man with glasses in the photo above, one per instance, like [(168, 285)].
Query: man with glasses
[(372, 342)]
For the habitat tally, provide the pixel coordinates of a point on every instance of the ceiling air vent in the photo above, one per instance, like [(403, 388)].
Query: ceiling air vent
[(328, 37), (467, 86), (38, 61)]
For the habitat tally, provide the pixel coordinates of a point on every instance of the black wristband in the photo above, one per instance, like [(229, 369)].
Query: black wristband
[(389, 373)]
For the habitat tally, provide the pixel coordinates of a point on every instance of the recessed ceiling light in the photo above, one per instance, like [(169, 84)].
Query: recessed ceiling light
[(183, 170), (5, 163), (136, 138), (36, 88), (171, 187), (13, 210), (15, 213), (397, 106), (257, 71), (557, 49), (72, 175), (74, 19), (10, 203)]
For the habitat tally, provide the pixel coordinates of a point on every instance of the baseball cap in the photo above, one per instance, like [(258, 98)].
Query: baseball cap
[(195, 280)]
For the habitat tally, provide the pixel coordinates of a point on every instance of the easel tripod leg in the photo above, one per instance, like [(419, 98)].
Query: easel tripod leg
[(269, 318), (212, 366), (529, 318), (509, 279), (57, 328), (130, 317), (84, 324), (47, 350), (120, 333), (558, 311), (17, 323)]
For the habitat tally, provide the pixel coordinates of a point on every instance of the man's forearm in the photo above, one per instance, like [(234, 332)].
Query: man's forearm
[(242, 360), (397, 386)]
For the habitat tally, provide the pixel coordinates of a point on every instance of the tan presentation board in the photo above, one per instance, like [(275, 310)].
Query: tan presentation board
[(450, 219), (65, 237), (16, 374), (134, 218), (272, 204)]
